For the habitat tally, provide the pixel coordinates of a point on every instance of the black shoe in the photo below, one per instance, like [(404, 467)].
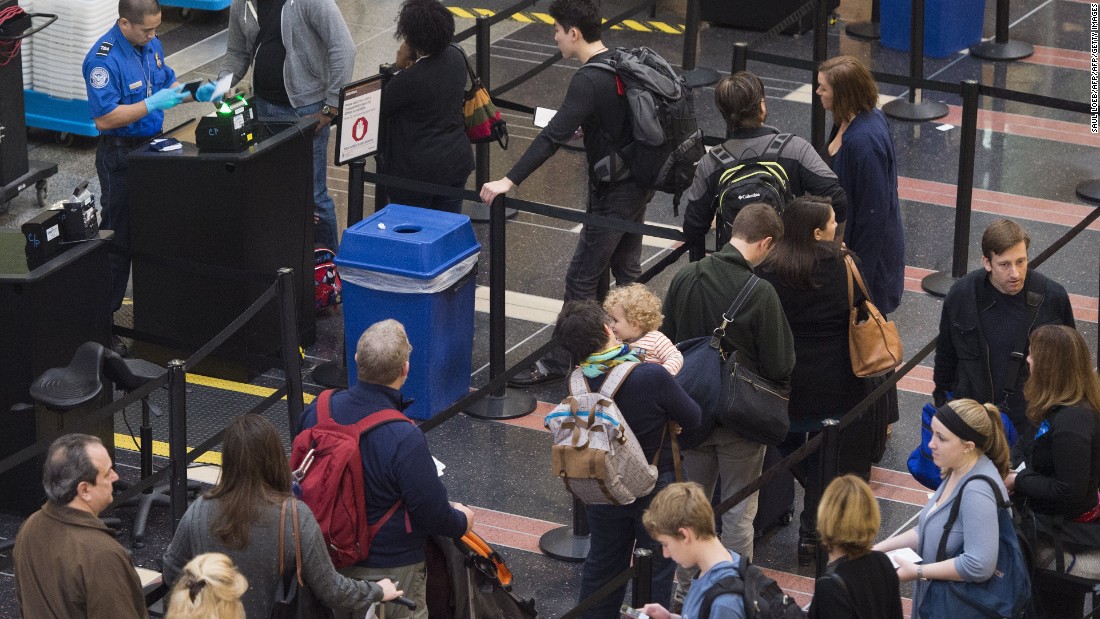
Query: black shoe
[(807, 549), (119, 346), (537, 375)]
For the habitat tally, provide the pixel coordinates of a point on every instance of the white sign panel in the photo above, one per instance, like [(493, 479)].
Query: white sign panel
[(360, 104)]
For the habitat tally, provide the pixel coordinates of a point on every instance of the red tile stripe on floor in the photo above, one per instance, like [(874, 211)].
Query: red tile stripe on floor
[(1058, 57), (1027, 126)]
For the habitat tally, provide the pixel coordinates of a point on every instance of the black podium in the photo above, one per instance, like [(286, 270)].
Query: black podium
[(196, 219), (46, 313)]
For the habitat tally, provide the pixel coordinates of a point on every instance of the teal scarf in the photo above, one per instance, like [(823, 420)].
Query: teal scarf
[(601, 362)]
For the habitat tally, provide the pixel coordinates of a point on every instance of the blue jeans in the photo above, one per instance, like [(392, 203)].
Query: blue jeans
[(616, 530), (325, 209)]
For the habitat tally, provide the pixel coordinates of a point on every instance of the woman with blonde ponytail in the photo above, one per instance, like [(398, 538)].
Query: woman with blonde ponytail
[(968, 439), (210, 587)]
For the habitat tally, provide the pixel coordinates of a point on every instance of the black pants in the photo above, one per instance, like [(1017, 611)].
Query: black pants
[(114, 181)]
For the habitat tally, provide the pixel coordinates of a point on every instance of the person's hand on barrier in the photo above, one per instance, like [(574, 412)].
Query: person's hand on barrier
[(389, 590), (206, 93), (165, 98), (656, 611), (469, 515), (490, 190)]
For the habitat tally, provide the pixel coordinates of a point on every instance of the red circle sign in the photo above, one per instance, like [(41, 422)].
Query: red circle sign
[(359, 129)]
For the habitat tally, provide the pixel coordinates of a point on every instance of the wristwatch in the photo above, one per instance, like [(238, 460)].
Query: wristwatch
[(330, 111), (920, 573)]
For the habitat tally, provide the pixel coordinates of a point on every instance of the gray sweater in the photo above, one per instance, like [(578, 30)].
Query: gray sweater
[(973, 539), (259, 561), (320, 52)]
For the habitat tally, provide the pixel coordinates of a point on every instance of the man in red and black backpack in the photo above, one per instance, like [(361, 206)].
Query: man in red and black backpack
[(398, 469)]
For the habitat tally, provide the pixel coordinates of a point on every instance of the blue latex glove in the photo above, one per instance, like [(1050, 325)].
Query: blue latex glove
[(205, 92), (164, 99)]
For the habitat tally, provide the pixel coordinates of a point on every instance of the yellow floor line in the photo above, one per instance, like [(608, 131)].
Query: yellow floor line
[(231, 385), (160, 448)]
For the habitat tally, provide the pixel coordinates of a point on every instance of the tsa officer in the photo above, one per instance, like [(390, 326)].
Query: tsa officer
[(129, 86)]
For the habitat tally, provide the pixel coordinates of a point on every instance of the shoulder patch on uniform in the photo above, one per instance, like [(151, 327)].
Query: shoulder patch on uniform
[(104, 49), (99, 77)]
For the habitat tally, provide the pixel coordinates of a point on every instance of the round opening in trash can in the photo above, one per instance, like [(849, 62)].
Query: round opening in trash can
[(407, 229)]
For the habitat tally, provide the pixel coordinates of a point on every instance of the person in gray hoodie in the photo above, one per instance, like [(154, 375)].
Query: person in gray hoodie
[(301, 53)]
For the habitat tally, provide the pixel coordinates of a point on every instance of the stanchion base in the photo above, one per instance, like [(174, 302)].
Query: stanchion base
[(938, 283), (478, 212), (514, 403), (561, 544), (1089, 191), (902, 109), (331, 374), (868, 30), (1009, 50)]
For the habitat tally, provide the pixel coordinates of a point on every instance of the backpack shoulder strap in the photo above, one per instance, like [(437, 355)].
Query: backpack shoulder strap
[(726, 585), (377, 418), (324, 410), (738, 301), (577, 383), (941, 552), (776, 146), (615, 379)]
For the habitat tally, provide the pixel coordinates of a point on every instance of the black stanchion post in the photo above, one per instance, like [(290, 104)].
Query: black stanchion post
[(911, 108), (740, 57), (869, 30), (1001, 47), (821, 52), (940, 282), (568, 543), (830, 457), (641, 588), (177, 439), (506, 403), (478, 211), (691, 35), (292, 360)]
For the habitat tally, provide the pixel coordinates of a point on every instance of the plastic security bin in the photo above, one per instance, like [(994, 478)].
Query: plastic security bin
[(416, 266), (949, 25)]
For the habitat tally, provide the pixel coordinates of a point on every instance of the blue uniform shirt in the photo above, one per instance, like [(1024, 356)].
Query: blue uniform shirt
[(117, 73)]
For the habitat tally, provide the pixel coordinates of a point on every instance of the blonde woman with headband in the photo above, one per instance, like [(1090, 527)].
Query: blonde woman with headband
[(209, 587), (968, 439)]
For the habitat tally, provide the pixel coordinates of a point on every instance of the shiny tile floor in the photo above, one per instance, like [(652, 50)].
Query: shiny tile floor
[(1028, 161)]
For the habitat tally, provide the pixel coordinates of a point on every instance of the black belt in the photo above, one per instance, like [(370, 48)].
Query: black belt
[(127, 141)]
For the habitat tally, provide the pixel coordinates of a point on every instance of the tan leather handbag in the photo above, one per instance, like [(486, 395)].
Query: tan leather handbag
[(874, 343)]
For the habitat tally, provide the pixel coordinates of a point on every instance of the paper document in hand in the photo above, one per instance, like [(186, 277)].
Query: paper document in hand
[(907, 553), (222, 86)]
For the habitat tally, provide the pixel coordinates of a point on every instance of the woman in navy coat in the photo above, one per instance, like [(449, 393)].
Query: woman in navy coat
[(861, 152)]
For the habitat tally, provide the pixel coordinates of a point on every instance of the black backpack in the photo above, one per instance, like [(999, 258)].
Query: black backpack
[(749, 179), (667, 141), (762, 596)]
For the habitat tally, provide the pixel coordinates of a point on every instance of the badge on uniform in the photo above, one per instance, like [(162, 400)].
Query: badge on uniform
[(135, 85), (104, 49), (160, 65), (99, 77)]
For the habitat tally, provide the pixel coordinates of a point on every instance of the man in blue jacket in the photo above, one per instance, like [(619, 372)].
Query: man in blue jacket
[(397, 466)]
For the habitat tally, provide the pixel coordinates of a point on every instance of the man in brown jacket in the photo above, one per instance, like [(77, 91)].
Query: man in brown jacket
[(67, 562)]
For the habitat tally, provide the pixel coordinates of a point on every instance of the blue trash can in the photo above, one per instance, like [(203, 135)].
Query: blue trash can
[(949, 25), (416, 266)]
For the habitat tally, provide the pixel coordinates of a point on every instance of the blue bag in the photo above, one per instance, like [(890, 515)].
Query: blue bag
[(1005, 594), (920, 463)]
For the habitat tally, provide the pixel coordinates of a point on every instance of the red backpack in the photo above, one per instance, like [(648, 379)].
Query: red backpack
[(331, 480)]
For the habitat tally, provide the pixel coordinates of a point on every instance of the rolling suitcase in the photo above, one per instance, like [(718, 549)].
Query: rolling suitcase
[(776, 503)]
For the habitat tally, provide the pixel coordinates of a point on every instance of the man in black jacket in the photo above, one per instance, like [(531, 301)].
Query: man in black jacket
[(986, 320), (594, 103), (740, 99)]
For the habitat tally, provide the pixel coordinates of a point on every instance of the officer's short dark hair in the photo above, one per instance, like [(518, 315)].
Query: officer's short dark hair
[(583, 15), (757, 222), (426, 25), (135, 11), (581, 328)]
